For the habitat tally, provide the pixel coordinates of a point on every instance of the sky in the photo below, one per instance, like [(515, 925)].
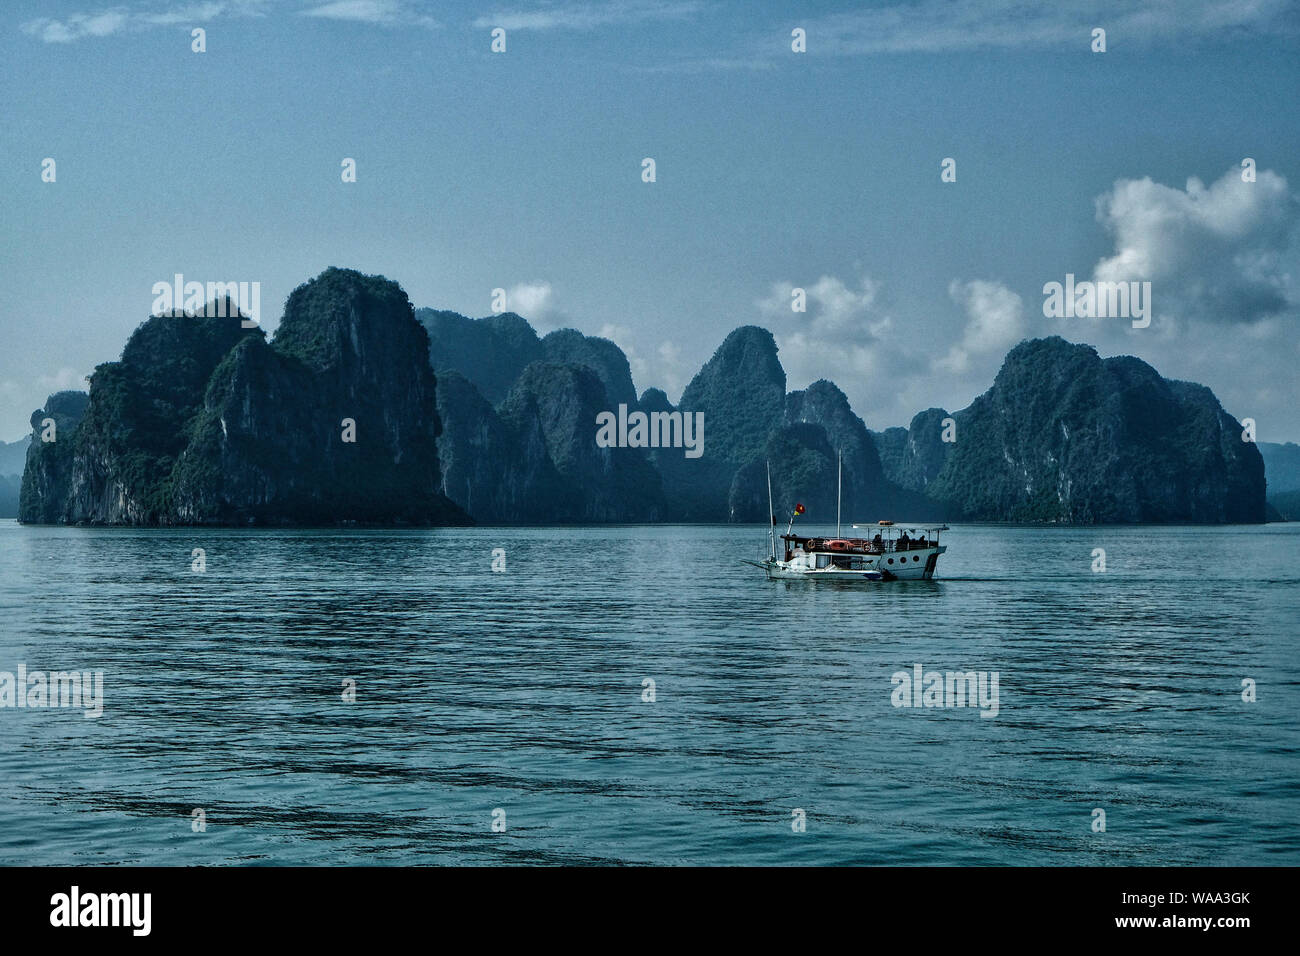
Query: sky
[(775, 170)]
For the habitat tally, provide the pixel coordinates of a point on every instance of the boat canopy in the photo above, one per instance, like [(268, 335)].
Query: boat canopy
[(901, 526), (888, 539)]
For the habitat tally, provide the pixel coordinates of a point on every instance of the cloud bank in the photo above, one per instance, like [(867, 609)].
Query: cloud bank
[(1226, 253)]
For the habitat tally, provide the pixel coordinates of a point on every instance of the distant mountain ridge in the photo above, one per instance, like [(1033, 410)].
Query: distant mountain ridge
[(1282, 466), (13, 458), (202, 422), (1063, 436)]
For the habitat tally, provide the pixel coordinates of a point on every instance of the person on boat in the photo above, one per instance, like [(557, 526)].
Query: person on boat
[(877, 544), (904, 542)]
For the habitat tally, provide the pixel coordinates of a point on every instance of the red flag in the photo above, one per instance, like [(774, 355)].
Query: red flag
[(798, 509)]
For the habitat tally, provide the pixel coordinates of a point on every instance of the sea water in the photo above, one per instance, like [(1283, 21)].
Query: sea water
[(639, 695)]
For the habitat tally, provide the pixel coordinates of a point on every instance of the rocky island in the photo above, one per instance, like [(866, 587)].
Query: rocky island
[(363, 409)]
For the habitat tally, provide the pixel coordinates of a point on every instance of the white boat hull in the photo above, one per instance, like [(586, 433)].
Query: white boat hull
[(916, 565)]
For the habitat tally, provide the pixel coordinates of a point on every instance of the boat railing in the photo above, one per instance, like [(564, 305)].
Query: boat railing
[(891, 546), (887, 545)]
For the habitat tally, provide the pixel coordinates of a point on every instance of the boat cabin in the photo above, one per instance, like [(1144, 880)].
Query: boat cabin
[(853, 553)]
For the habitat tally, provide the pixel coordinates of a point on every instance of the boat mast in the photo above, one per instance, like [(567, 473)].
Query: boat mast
[(771, 531), (839, 491)]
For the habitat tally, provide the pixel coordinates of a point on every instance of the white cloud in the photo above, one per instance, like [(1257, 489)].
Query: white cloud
[(673, 372), (533, 300), (195, 13), (664, 369), (77, 25), (1222, 261), (892, 366), (587, 16), (833, 307), (376, 12), (119, 19), (846, 335), (18, 399), (930, 26), (64, 379), (944, 26), (995, 321), (709, 64), (1224, 254)]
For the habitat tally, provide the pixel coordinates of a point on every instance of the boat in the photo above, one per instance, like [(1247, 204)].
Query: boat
[(890, 551)]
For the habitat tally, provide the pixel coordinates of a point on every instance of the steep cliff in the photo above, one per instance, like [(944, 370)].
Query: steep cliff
[(491, 352), (559, 404), (912, 457), (43, 494), (500, 472), (203, 422), (741, 393), (570, 347), (119, 459), (1066, 436), (818, 426)]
